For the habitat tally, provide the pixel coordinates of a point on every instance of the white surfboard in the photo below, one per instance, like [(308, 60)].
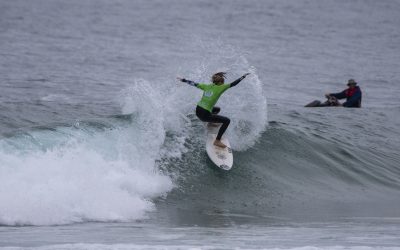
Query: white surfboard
[(222, 157)]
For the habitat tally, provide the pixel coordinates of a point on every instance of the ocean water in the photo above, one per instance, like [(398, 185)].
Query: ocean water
[(100, 147)]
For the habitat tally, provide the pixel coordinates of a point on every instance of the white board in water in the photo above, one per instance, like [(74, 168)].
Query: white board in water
[(222, 157)]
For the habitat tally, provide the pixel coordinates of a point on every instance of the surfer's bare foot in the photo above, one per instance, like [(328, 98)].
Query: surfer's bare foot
[(219, 144)]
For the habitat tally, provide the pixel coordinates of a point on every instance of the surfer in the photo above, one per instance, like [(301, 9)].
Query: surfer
[(205, 109), (352, 94)]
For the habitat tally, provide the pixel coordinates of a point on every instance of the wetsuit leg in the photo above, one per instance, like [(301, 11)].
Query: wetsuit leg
[(225, 123), (206, 116), (202, 114), (215, 110)]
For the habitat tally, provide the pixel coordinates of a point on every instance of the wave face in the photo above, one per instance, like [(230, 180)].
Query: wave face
[(302, 167)]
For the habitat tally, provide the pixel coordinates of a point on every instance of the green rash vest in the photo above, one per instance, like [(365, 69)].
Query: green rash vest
[(211, 94)]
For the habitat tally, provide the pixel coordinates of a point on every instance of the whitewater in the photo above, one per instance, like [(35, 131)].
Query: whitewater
[(100, 147)]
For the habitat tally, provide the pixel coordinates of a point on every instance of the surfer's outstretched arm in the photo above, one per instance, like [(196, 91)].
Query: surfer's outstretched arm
[(234, 83), (194, 84)]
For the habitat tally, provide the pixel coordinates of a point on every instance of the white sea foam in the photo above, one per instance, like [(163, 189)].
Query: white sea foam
[(107, 175), (74, 184), (156, 114)]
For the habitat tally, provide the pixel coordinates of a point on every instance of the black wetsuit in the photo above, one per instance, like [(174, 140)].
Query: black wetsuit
[(206, 116)]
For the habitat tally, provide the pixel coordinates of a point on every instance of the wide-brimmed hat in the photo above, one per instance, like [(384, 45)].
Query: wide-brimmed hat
[(351, 82)]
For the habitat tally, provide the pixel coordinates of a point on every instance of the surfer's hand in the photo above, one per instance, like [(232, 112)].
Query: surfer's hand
[(181, 79), (241, 78)]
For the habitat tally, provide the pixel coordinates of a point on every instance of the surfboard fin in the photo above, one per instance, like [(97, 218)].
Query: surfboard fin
[(225, 167)]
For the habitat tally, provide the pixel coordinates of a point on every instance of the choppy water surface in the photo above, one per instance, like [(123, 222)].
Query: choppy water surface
[(100, 147)]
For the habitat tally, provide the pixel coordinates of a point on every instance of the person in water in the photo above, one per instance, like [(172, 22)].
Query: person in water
[(352, 94), (205, 109)]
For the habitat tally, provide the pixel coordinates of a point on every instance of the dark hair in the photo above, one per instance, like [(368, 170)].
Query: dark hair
[(218, 77)]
